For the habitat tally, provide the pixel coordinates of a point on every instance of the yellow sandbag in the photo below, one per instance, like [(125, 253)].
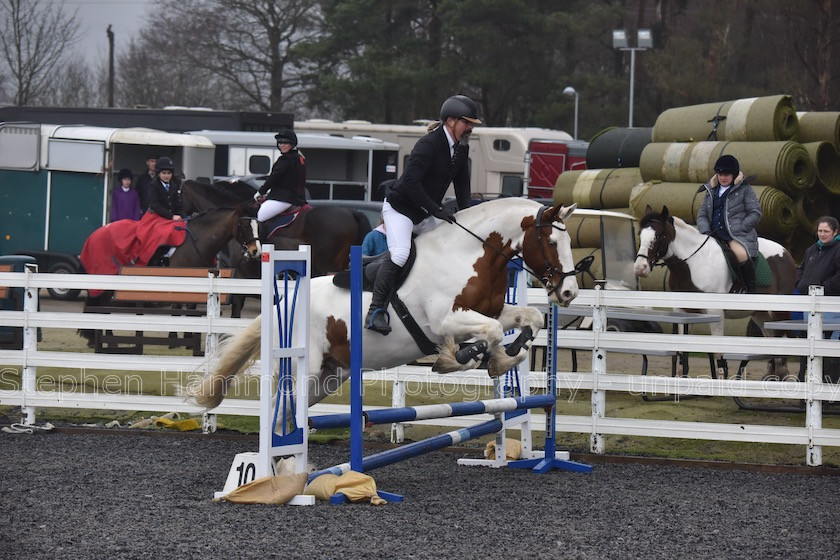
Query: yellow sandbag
[(181, 425), (358, 487), (513, 449), (277, 489)]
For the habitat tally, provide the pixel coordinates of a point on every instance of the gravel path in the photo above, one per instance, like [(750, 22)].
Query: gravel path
[(110, 496)]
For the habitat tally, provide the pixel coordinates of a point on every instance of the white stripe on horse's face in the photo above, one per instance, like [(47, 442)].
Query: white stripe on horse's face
[(641, 266), (569, 288)]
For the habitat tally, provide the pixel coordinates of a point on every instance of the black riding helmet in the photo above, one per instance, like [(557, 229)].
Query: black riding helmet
[(286, 135), (460, 107), (727, 164), (165, 164)]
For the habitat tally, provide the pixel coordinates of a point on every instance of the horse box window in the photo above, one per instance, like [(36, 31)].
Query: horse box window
[(259, 165), (19, 146), (501, 145), (75, 155)]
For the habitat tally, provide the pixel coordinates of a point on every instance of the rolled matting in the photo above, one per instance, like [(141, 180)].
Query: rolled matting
[(597, 188), (826, 161), (819, 126), (617, 147), (784, 165), (755, 119)]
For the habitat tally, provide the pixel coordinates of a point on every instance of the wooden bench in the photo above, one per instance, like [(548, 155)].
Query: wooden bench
[(140, 302)]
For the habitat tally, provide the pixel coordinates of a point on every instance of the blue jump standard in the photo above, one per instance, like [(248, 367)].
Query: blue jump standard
[(410, 413), (550, 461)]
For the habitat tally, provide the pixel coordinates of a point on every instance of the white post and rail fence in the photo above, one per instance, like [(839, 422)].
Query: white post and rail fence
[(19, 367)]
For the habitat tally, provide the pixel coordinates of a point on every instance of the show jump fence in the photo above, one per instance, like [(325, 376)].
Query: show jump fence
[(813, 391)]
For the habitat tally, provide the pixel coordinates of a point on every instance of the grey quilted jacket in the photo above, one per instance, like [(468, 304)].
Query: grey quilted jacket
[(742, 211)]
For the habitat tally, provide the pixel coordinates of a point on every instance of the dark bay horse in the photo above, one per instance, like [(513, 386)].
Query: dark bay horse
[(206, 234), (697, 263), (329, 230)]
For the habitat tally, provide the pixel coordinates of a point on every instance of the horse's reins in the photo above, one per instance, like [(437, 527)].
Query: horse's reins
[(550, 269), (194, 239), (657, 259)]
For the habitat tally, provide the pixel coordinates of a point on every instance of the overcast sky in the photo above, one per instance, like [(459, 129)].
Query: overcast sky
[(94, 16)]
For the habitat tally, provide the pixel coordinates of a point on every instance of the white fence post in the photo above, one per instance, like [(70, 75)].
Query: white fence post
[(30, 343), (398, 401), (599, 368), (814, 378), (214, 311)]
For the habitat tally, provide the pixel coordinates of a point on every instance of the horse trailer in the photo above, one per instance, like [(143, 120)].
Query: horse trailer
[(336, 168), (56, 182), (500, 157)]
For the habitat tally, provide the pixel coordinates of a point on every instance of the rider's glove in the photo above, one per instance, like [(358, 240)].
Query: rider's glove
[(442, 214)]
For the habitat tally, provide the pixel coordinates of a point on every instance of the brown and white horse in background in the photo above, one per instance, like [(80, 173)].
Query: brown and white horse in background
[(697, 263), (455, 291)]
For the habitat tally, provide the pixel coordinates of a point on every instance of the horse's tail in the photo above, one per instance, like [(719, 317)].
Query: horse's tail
[(235, 354), (363, 226)]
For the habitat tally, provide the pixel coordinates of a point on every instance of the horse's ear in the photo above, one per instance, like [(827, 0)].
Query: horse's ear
[(664, 212), (563, 212), (648, 210)]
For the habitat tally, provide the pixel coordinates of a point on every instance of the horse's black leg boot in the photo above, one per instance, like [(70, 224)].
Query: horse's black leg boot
[(748, 274), (377, 317)]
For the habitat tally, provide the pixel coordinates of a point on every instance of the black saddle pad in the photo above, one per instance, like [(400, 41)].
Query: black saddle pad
[(370, 266)]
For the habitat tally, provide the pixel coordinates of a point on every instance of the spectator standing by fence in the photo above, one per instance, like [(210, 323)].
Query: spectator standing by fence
[(125, 202)]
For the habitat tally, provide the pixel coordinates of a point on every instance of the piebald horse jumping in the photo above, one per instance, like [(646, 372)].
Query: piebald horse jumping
[(697, 263), (455, 291)]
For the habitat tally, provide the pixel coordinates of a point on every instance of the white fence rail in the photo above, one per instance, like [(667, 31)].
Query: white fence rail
[(813, 392)]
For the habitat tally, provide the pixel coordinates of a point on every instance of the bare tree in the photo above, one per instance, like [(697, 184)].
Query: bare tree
[(34, 37), (248, 44), (74, 85)]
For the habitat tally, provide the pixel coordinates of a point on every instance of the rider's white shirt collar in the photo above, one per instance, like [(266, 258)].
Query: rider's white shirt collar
[(451, 141)]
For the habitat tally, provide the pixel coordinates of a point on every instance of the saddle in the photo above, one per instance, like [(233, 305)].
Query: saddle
[(370, 266), (284, 219), (763, 274)]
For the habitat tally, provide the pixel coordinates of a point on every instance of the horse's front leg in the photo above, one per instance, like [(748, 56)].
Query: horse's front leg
[(530, 320), (463, 325)]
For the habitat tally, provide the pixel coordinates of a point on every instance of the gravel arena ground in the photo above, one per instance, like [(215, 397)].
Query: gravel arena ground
[(110, 496)]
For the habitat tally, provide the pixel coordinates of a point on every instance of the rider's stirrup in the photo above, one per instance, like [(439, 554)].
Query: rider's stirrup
[(375, 322)]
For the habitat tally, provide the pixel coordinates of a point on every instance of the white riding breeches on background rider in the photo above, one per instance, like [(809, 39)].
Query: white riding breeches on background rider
[(398, 230), (270, 208)]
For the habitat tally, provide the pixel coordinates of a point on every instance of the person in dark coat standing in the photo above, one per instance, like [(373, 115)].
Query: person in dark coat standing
[(821, 264), (286, 184), (165, 192), (731, 212), (144, 180), (413, 202), (125, 202)]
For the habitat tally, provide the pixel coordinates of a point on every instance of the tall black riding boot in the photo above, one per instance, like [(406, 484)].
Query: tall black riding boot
[(748, 276), (377, 317)]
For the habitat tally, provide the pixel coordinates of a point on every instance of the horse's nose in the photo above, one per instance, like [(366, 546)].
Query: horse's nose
[(641, 268)]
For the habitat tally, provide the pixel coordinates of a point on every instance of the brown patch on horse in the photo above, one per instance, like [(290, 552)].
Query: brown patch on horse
[(339, 340), (679, 276), (485, 291)]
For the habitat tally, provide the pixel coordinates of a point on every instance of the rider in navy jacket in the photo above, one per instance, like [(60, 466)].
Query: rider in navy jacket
[(414, 200), (164, 193)]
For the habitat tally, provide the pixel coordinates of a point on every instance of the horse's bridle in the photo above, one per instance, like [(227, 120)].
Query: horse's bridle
[(659, 255), (243, 226), (241, 229), (659, 247), (550, 269)]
